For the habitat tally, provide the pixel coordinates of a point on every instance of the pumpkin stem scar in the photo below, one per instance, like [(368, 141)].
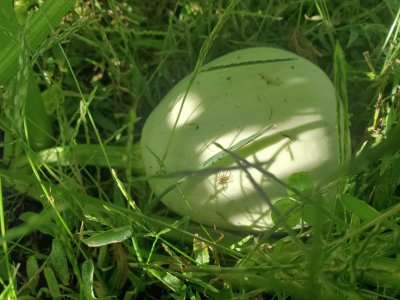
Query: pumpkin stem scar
[(247, 63)]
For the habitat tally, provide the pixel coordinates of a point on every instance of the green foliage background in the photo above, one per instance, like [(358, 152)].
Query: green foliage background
[(77, 81)]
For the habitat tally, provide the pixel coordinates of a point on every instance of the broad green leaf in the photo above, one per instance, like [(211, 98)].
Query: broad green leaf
[(38, 221), (286, 252), (200, 252), (25, 100), (32, 268), (301, 181), (363, 210), (171, 281), (59, 261), (39, 123), (311, 211), (87, 279), (52, 283), (360, 208), (42, 23), (284, 206), (32, 221), (8, 22), (115, 235)]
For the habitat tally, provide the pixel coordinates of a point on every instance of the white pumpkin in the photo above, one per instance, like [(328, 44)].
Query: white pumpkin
[(283, 100)]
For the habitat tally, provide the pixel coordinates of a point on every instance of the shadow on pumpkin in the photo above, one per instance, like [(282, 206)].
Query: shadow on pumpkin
[(301, 111)]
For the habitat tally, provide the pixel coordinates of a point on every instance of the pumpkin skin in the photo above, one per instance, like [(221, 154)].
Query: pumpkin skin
[(245, 92)]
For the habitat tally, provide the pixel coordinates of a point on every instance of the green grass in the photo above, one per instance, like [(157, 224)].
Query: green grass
[(77, 219)]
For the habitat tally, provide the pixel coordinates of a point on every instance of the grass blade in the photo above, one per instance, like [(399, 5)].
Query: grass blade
[(340, 82), (213, 159)]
